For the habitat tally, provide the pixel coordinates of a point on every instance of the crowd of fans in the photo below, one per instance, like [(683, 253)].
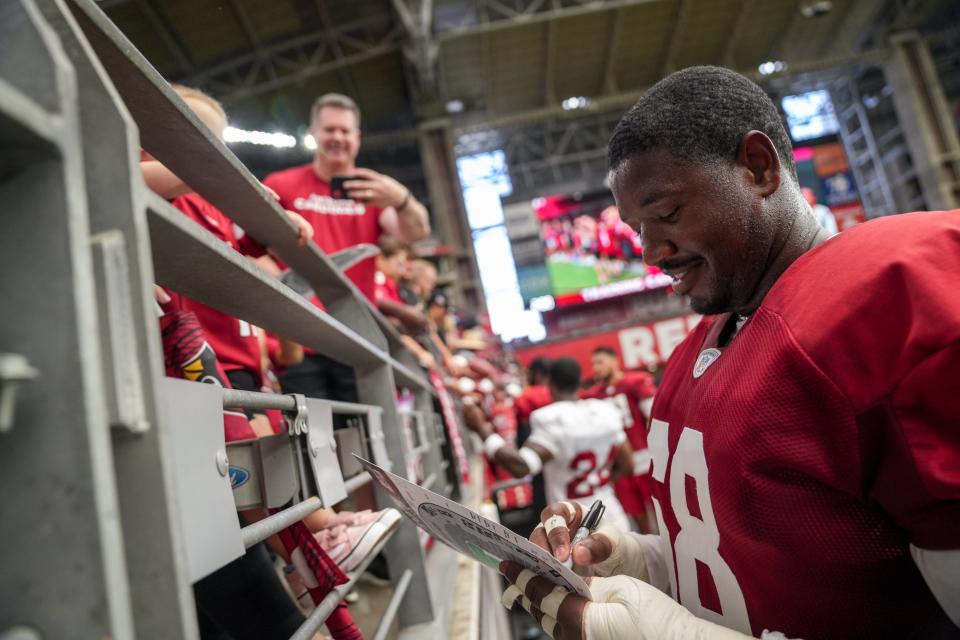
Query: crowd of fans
[(266, 592)]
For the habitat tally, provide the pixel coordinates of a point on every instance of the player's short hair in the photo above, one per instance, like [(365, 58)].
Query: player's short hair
[(605, 350), (337, 101), (565, 374), (196, 94), (700, 114), (539, 366)]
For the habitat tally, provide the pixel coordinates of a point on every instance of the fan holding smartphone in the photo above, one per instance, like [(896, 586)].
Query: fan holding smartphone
[(347, 206)]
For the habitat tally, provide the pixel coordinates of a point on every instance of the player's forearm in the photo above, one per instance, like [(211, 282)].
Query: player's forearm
[(518, 463), (509, 459), (413, 221), (622, 463)]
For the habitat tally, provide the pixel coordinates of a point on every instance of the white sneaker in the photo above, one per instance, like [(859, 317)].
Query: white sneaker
[(348, 546)]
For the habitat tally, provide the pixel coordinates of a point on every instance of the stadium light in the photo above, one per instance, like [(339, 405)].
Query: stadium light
[(771, 66), (279, 140), (575, 102)]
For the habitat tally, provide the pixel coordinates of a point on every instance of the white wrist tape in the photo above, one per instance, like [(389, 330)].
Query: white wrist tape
[(492, 444), (532, 460), (523, 578), (550, 604), (548, 625), (623, 607), (509, 597)]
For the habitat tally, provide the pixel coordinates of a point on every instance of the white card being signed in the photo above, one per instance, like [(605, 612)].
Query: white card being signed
[(470, 533)]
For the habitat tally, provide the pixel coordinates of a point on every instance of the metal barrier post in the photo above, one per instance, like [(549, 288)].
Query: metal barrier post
[(62, 552)]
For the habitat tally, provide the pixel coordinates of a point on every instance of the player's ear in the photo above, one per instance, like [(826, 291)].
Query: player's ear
[(758, 157)]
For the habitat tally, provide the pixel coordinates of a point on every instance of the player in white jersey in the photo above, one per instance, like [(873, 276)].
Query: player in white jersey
[(579, 445)]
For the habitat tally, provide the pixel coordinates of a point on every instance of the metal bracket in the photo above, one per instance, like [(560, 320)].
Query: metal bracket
[(14, 370), (298, 423)]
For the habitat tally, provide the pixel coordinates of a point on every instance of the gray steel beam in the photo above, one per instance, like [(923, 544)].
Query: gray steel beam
[(739, 25), (627, 98), (343, 71), (522, 18), (62, 555), (160, 589), (167, 34), (232, 284), (926, 119), (246, 24), (673, 39), (386, 46), (420, 48), (614, 29), (830, 42), (403, 551), (286, 47), (549, 41)]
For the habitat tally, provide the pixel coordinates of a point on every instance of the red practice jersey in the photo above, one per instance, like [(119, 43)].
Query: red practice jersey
[(337, 224), (794, 466), (532, 398), (234, 341), (629, 392), (633, 388)]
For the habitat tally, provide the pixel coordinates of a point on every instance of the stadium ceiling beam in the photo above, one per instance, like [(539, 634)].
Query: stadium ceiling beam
[(293, 61), (420, 48), (625, 99), (251, 86), (549, 41), (673, 40), (245, 23), (739, 25), (784, 50), (610, 58), (528, 13), (830, 40), (167, 34), (346, 79)]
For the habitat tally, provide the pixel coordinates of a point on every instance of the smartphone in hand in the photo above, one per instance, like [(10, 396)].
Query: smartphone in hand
[(337, 190)]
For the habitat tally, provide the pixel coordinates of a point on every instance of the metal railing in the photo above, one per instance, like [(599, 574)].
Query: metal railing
[(82, 244)]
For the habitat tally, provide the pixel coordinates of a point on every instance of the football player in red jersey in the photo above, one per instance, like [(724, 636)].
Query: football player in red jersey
[(536, 395), (578, 445), (632, 393), (806, 455)]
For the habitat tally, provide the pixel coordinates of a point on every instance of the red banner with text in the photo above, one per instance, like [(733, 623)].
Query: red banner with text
[(637, 347)]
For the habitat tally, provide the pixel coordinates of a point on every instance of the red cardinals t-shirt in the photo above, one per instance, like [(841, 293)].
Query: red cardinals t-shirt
[(386, 289), (337, 224), (794, 466), (234, 341)]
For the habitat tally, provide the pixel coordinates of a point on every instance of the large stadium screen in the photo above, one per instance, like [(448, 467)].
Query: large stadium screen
[(591, 254)]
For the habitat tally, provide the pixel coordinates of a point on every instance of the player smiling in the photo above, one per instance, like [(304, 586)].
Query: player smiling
[(806, 455)]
